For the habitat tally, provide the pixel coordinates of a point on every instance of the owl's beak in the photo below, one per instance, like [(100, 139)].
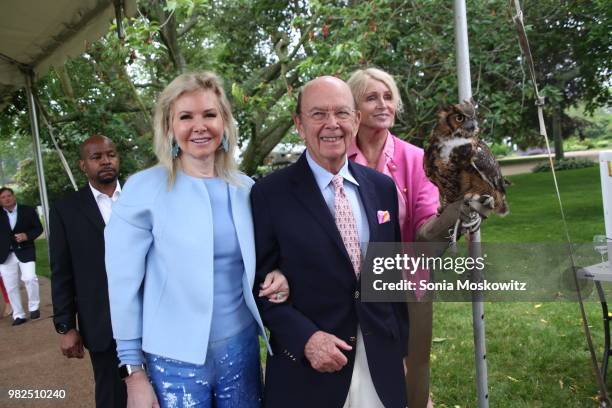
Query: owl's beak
[(470, 125)]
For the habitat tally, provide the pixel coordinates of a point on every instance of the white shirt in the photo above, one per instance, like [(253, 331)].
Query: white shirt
[(324, 181), (105, 203), (12, 216)]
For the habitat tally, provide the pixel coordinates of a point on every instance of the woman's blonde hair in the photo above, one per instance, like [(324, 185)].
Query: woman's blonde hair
[(358, 82), (225, 165)]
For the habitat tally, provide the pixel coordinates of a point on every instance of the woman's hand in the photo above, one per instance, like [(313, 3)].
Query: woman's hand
[(140, 392), (275, 287)]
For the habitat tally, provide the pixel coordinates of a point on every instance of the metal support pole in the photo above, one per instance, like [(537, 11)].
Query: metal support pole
[(42, 186), (465, 92)]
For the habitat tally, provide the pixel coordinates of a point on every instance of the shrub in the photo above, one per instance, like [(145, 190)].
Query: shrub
[(565, 164), (500, 150)]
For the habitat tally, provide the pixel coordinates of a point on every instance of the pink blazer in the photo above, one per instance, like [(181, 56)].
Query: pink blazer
[(417, 196)]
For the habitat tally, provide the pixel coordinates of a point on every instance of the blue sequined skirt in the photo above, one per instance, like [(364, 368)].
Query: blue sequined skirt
[(230, 378)]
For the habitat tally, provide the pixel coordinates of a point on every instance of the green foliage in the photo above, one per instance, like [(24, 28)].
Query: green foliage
[(500, 149), (58, 182), (12, 151), (575, 143), (56, 179), (565, 164)]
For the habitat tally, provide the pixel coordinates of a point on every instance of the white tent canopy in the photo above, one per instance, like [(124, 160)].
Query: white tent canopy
[(38, 34)]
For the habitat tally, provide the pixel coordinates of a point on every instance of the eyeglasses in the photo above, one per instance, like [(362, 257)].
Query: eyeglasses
[(320, 116)]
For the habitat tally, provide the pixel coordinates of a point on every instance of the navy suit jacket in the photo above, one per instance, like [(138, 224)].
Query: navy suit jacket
[(28, 222), (295, 231)]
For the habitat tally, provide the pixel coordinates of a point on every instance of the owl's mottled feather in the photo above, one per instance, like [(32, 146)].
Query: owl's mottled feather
[(459, 163)]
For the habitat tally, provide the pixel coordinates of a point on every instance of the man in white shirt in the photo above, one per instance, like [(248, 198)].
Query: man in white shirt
[(78, 282), (19, 227)]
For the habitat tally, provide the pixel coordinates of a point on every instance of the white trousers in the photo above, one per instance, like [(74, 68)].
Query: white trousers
[(362, 393), (10, 275)]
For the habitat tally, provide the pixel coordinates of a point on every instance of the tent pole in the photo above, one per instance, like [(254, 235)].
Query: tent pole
[(42, 185), (478, 320)]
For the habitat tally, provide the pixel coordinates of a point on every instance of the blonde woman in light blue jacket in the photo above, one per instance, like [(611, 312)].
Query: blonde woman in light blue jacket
[(180, 260)]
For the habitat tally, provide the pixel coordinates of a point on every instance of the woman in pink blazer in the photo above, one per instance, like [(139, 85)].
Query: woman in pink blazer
[(378, 99)]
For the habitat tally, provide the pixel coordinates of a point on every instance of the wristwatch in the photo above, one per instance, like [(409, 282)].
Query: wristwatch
[(62, 328), (129, 369)]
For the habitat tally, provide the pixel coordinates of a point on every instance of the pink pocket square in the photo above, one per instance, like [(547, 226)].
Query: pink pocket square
[(383, 216)]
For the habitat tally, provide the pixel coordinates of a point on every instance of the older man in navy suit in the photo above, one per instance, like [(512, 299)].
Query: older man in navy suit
[(313, 220)]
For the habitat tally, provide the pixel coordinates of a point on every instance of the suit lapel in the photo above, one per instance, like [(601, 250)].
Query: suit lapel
[(368, 198), (4, 220), (307, 191), (20, 218), (89, 207)]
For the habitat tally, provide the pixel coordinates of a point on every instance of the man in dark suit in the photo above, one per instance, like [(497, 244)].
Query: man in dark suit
[(313, 220), (19, 227), (78, 282)]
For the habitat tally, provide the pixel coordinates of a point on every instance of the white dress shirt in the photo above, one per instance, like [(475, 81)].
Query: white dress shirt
[(12, 216), (105, 202)]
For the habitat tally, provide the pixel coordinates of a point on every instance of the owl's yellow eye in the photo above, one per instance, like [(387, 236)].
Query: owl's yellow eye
[(459, 118)]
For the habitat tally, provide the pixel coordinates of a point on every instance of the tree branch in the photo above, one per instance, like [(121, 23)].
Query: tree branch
[(189, 24), (73, 117)]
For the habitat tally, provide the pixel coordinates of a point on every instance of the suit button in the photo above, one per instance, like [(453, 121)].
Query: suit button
[(352, 339), (356, 294)]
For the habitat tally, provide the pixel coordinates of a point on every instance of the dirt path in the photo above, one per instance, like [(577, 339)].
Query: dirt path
[(30, 360)]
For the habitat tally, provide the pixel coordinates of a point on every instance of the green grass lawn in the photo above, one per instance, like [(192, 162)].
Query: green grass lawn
[(42, 258), (536, 352)]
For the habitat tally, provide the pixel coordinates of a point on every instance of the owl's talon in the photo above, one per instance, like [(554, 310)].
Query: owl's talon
[(453, 233), (473, 223)]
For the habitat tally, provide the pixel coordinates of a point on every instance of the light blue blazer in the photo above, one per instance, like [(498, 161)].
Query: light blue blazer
[(159, 261)]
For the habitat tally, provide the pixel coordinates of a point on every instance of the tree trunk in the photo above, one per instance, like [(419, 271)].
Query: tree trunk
[(557, 136), (2, 180), (262, 145)]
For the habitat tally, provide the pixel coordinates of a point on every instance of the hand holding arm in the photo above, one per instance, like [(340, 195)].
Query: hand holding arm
[(275, 287)]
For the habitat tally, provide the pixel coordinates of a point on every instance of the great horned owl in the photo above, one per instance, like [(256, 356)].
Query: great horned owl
[(460, 164)]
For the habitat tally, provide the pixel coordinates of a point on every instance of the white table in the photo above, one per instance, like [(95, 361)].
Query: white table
[(601, 272)]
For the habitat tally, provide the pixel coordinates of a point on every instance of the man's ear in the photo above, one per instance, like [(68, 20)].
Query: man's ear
[(297, 121), (82, 165)]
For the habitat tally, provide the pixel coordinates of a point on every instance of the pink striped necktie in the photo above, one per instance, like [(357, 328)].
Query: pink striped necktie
[(345, 221)]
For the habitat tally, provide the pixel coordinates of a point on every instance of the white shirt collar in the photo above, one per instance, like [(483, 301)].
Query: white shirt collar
[(323, 177), (11, 212), (96, 193)]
